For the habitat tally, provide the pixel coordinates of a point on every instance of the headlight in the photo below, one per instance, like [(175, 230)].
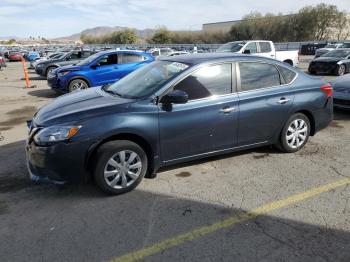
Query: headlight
[(63, 73), (339, 63), (55, 134), (39, 65)]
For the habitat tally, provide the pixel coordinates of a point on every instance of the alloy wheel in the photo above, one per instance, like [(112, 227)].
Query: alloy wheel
[(122, 169), (341, 70), (297, 133), (79, 86)]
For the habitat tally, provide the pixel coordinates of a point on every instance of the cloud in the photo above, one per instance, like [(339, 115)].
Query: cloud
[(64, 17)]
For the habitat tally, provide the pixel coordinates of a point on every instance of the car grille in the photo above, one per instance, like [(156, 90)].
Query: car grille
[(341, 102)]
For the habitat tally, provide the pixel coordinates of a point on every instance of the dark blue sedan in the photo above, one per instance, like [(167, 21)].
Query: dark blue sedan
[(174, 110), (97, 70)]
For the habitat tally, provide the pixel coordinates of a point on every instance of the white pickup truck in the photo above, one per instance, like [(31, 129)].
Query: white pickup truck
[(261, 48)]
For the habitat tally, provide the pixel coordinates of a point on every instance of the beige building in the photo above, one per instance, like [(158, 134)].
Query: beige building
[(219, 26)]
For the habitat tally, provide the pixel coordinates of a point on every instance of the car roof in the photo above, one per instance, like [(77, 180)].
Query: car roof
[(122, 50), (194, 59)]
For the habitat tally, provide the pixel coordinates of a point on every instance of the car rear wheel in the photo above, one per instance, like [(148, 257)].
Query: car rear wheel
[(77, 84), (49, 70), (120, 166), (341, 70), (295, 133)]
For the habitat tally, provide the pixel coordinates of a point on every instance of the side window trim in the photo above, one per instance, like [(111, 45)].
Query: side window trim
[(239, 82), (282, 76)]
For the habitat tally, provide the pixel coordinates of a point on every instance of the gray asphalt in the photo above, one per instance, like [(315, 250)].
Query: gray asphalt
[(79, 223)]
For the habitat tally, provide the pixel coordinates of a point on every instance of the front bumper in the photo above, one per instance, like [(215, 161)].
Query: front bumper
[(58, 163), (40, 71), (323, 68), (57, 84)]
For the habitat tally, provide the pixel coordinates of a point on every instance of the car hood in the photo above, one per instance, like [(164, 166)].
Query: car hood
[(52, 61), (327, 59), (324, 50), (70, 62), (69, 68), (79, 105)]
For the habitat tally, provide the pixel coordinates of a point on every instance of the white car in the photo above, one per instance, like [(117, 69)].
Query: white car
[(178, 53), (261, 48), (161, 51)]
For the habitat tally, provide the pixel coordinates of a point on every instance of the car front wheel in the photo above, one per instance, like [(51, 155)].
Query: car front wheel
[(120, 166), (295, 133), (77, 84), (341, 70)]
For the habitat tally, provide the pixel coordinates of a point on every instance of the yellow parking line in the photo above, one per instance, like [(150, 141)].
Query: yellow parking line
[(202, 231)]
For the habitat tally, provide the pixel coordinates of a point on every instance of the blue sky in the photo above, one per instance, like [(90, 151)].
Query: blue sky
[(51, 19)]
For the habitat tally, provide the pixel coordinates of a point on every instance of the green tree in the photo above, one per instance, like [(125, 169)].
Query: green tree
[(126, 36), (162, 36)]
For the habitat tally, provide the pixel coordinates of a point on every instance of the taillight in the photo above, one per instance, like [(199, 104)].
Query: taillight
[(327, 89)]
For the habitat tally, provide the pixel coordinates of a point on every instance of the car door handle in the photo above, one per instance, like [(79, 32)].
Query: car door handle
[(283, 101), (227, 110)]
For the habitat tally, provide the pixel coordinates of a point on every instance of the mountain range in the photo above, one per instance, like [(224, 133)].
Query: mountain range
[(103, 30)]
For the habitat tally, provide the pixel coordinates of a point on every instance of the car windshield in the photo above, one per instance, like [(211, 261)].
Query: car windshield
[(337, 53), (88, 60), (331, 46), (345, 45), (146, 80), (230, 47)]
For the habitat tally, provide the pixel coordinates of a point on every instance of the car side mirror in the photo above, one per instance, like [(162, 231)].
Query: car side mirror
[(175, 97), (247, 52), (95, 65)]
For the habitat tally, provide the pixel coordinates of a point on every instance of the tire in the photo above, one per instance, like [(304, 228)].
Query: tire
[(341, 70), (112, 174), (77, 84), (49, 69), (297, 122)]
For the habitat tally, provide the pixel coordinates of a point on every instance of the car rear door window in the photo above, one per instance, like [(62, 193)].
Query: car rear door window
[(74, 55), (131, 58), (111, 59), (256, 75), (252, 47), (207, 81), (87, 54), (265, 47), (287, 74)]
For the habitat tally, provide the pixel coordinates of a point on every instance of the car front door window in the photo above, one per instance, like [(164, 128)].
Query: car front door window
[(208, 81), (251, 47)]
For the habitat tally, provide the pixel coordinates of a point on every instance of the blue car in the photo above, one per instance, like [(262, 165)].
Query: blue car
[(174, 110), (32, 56), (100, 69)]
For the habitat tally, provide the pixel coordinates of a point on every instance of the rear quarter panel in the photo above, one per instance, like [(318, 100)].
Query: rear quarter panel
[(310, 98)]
